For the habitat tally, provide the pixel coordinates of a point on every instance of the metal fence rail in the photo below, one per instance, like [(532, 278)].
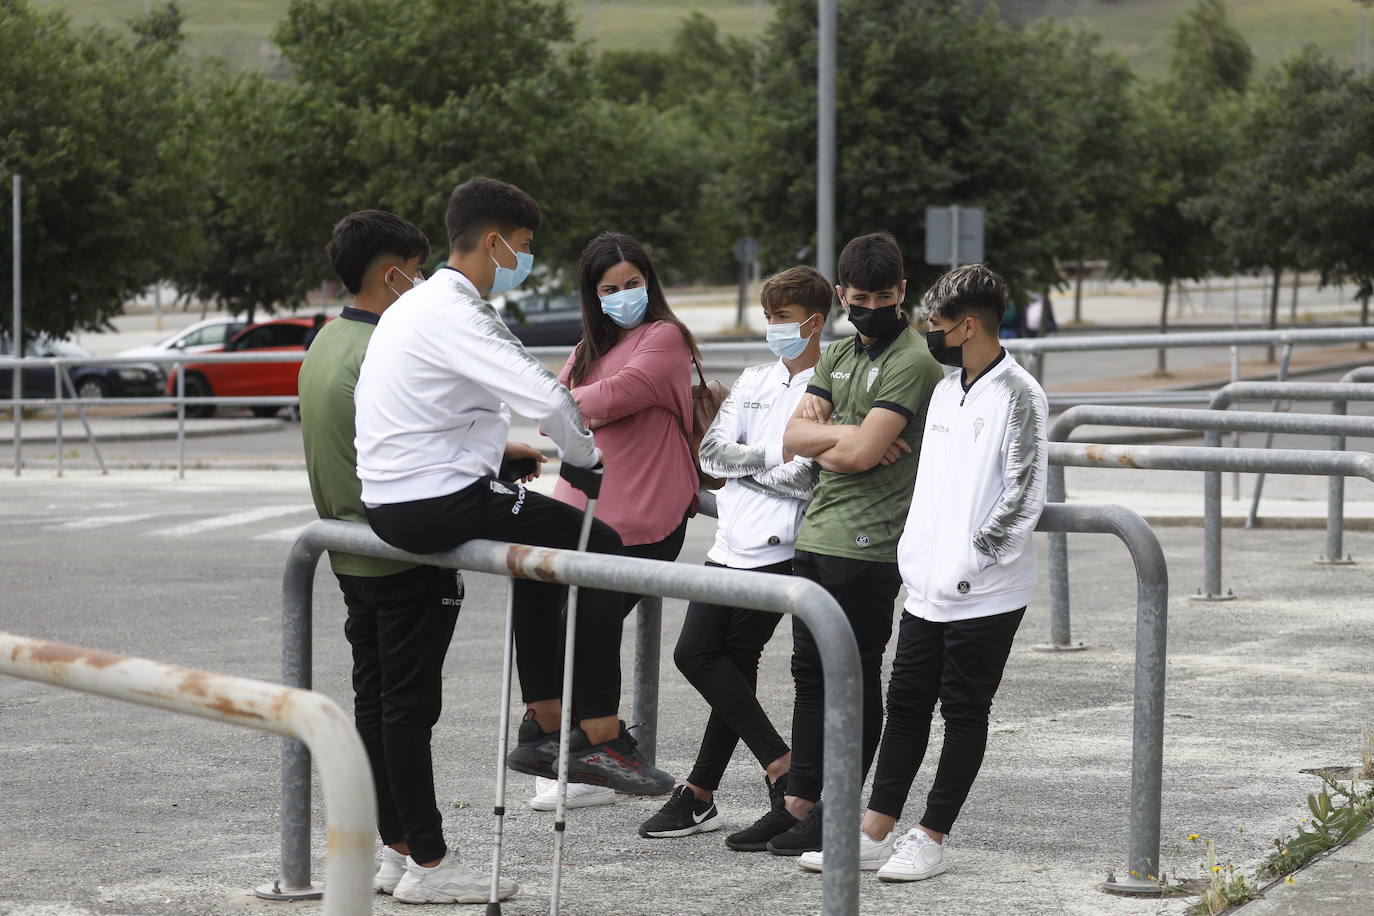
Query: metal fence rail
[(1166, 418), (782, 594), (350, 805)]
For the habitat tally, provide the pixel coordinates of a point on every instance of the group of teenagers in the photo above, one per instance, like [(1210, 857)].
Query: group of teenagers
[(885, 459)]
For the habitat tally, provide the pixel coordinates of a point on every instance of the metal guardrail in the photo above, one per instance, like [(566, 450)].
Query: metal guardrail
[(1164, 418), (1336, 392), (781, 594), (1335, 487), (349, 801)]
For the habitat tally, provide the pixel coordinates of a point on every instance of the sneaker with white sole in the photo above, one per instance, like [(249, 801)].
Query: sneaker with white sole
[(682, 815), (873, 854), (449, 882), (580, 795), (389, 874), (915, 858)]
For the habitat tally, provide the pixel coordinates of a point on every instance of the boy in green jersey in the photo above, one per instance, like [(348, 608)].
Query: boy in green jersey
[(861, 421)]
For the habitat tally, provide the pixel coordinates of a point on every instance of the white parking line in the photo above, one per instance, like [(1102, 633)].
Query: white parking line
[(287, 535), (234, 518), (102, 521)]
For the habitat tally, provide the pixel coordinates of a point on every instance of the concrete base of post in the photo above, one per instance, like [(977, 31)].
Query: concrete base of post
[(1229, 596), (275, 891), (1139, 887), (1348, 561), (1051, 647)]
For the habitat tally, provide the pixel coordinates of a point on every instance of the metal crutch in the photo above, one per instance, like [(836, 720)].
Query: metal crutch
[(494, 903), (589, 482)]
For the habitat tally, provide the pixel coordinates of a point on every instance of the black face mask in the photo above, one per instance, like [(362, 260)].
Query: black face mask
[(949, 356), (874, 322)]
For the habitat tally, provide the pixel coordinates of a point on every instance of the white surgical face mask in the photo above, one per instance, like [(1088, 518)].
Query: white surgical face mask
[(414, 282), (508, 278), (786, 340)]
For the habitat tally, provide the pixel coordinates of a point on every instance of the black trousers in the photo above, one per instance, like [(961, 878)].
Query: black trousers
[(501, 511), (960, 664), (666, 549), (718, 652), (399, 627), (865, 591)]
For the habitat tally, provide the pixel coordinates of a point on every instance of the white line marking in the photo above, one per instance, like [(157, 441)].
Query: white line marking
[(245, 517), (287, 535), (102, 521)]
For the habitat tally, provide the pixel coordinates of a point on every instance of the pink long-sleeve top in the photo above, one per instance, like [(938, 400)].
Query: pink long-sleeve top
[(643, 385)]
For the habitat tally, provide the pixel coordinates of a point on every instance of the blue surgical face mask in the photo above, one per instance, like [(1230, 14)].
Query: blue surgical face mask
[(508, 278), (626, 307), (786, 340)]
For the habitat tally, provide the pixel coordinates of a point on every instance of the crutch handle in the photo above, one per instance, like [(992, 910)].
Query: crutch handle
[(588, 480)]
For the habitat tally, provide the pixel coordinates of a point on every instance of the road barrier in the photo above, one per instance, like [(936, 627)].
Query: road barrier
[(1335, 487), (781, 594), (1166, 418), (350, 805)]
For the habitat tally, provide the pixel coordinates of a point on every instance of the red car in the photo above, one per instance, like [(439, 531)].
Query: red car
[(248, 379)]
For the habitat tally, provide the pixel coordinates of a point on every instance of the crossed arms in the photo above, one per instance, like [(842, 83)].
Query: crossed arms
[(845, 448)]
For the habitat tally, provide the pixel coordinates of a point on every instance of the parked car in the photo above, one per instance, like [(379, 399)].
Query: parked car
[(202, 337), (205, 380), (544, 319), (122, 381)]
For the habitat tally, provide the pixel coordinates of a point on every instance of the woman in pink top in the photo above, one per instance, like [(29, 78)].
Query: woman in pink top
[(631, 375)]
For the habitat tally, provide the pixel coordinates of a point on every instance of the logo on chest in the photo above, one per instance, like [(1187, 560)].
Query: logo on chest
[(872, 377), (756, 405), (978, 425), (840, 376)]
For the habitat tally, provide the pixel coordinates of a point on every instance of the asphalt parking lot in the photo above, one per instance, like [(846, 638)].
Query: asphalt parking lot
[(114, 809)]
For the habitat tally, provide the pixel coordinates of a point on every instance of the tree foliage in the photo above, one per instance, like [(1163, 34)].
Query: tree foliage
[(97, 128)]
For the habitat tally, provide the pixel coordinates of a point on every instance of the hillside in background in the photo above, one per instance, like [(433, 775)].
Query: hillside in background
[(1138, 29)]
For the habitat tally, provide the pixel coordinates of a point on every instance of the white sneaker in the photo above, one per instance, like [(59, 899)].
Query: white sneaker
[(915, 858), (580, 795), (872, 854), (393, 867), (449, 882)]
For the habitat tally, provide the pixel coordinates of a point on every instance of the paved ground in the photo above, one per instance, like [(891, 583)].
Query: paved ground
[(111, 809)]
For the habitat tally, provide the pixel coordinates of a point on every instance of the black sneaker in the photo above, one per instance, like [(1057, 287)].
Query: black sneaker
[(682, 815), (616, 763), (756, 836), (804, 837), (536, 751)]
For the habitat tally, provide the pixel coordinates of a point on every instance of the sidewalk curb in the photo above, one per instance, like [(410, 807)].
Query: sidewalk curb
[(1350, 867)]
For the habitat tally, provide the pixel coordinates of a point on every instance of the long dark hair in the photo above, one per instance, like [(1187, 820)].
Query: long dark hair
[(599, 332)]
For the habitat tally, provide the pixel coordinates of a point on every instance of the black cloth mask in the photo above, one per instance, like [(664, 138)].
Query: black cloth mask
[(949, 356), (874, 323)]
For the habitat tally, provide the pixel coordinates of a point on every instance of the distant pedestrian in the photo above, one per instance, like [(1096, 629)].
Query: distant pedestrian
[(315, 324), (1038, 320)]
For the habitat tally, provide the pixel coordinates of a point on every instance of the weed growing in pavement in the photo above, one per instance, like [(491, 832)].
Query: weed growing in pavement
[(1367, 753), (1339, 815)]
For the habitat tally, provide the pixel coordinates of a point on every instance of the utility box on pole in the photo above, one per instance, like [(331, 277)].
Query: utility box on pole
[(954, 235)]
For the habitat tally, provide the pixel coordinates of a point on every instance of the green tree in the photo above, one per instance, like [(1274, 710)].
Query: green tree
[(99, 130), (1210, 56), (937, 105)]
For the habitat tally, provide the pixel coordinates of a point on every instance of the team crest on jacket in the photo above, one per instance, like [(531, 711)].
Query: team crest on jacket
[(978, 425), (862, 540), (872, 377)]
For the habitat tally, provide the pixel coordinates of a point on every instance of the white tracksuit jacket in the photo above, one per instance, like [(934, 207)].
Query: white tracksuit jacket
[(761, 506), (967, 551), (434, 396)]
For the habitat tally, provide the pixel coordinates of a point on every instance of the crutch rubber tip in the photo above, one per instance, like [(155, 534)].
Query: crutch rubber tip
[(493, 909), (500, 810), (560, 826)]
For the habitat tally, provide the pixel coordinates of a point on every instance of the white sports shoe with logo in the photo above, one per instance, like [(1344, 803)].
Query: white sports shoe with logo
[(872, 854), (580, 795), (389, 874), (916, 858), (449, 882)]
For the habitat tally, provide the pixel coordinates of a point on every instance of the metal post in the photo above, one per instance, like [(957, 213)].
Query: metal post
[(349, 799), (648, 642), (180, 370), (17, 331), (81, 414), (57, 388), (779, 594), (1061, 635), (1335, 507), (1147, 719), (298, 583), (1253, 519), (954, 237), (825, 139)]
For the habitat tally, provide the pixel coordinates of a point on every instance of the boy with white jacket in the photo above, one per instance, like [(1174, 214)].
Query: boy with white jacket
[(968, 563)]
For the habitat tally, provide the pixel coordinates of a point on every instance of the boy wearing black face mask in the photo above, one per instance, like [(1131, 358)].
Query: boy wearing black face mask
[(861, 421), (968, 563)]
